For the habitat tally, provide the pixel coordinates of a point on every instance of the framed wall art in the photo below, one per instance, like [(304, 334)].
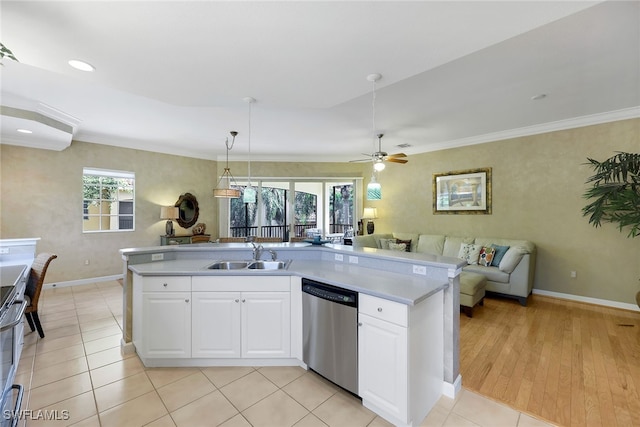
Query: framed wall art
[(462, 192)]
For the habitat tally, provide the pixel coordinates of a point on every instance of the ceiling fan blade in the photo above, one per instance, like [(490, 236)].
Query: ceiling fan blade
[(393, 160), (359, 160), (397, 155)]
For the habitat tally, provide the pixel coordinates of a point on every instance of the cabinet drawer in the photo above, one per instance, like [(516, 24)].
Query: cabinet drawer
[(383, 309), (166, 283), (240, 283)]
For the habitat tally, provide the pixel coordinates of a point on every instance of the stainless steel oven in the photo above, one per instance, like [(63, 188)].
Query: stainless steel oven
[(11, 340)]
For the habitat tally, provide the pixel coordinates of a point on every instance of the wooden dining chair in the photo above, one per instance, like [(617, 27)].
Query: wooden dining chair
[(200, 238), (34, 288)]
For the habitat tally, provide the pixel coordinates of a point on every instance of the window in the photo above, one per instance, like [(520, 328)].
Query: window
[(108, 200), (292, 208)]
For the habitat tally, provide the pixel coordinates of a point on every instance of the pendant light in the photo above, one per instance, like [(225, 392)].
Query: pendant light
[(249, 195), (224, 187), (374, 189)]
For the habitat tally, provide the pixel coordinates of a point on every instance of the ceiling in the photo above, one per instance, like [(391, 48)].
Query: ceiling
[(171, 76)]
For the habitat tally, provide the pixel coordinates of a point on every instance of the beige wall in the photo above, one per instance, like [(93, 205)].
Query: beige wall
[(538, 183), (42, 197)]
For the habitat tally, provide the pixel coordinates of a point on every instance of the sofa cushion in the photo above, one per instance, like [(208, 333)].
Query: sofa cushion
[(430, 244), (486, 256), (469, 252), (491, 273), (365, 241), (452, 245)]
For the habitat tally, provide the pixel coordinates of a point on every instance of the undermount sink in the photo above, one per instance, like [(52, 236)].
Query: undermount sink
[(251, 265), (268, 265), (228, 265)]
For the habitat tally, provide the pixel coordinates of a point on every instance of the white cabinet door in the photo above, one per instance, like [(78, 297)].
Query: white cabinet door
[(382, 360), (266, 325), (216, 324), (166, 324)]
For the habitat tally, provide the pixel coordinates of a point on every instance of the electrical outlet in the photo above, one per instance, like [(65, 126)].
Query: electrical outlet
[(86, 262), (4, 251), (157, 257), (420, 269), (574, 274), (338, 257), (353, 259)]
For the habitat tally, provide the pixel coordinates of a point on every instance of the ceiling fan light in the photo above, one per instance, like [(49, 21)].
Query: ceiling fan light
[(378, 166)]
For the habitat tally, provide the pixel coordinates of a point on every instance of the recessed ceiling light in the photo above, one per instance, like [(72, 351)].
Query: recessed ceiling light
[(24, 131), (81, 65), (538, 97)]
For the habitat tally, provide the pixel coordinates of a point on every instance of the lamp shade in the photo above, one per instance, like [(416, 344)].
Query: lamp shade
[(169, 212), (370, 213)]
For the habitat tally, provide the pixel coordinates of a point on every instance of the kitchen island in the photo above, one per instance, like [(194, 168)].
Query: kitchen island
[(409, 303)]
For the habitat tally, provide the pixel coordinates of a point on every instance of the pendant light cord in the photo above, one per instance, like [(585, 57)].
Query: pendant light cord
[(373, 114), (249, 163)]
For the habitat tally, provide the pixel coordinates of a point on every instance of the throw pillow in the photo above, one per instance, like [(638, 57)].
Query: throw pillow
[(384, 243), (406, 242), (402, 247), (486, 256), (511, 259), (500, 251), (469, 252)]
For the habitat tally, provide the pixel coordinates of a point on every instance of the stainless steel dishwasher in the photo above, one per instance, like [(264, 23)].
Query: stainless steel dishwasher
[(330, 328)]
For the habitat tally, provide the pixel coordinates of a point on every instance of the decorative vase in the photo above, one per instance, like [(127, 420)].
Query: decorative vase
[(370, 227)]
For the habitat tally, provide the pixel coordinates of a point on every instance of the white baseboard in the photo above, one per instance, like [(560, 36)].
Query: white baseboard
[(81, 281), (589, 300), (452, 390)]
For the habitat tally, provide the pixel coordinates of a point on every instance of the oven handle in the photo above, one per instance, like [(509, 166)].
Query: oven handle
[(16, 408), (18, 319)]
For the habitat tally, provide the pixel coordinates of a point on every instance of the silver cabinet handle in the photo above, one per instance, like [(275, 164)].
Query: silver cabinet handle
[(187, 300), (379, 309), (243, 300), (237, 300), (359, 323), (165, 285)]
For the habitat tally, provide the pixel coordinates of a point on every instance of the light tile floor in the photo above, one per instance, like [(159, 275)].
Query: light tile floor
[(77, 376)]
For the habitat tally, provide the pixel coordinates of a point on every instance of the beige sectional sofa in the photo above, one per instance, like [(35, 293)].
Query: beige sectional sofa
[(512, 276)]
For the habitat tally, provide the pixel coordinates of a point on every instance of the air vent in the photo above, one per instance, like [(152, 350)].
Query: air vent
[(403, 145)]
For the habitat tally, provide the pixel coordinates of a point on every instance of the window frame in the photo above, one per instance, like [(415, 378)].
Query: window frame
[(112, 198)]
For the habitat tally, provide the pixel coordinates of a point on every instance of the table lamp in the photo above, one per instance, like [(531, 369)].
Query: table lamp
[(169, 213), (369, 214)]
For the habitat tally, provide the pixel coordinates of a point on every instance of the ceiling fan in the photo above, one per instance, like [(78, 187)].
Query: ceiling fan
[(379, 157)]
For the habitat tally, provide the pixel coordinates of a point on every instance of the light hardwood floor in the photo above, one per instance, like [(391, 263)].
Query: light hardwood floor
[(570, 363)]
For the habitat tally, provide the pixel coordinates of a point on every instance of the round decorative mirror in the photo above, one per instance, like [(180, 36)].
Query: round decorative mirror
[(188, 206)]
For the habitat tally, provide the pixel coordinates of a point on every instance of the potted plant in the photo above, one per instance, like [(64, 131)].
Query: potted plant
[(4, 51), (615, 190)]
